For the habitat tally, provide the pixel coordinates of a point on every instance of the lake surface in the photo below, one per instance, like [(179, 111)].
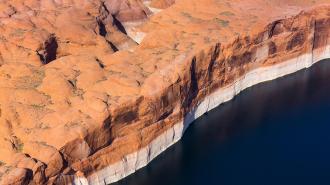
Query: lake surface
[(275, 133)]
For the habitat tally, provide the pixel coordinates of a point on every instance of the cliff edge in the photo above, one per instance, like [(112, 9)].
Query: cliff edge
[(92, 90)]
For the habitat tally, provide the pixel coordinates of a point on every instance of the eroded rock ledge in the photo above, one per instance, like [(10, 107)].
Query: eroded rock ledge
[(87, 115)]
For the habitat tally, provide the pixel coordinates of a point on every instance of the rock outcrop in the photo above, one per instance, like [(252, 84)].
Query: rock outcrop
[(91, 91)]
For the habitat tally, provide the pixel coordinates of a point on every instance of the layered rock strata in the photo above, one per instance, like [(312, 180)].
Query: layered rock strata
[(84, 114)]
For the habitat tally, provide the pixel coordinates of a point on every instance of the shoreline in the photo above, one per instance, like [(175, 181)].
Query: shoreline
[(139, 159)]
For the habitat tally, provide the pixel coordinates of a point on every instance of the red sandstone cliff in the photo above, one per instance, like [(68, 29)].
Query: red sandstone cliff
[(78, 93)]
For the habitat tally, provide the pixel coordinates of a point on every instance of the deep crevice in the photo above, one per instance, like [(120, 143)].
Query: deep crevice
[(113, 47), (119, 25), (102, 29), (49, 50)]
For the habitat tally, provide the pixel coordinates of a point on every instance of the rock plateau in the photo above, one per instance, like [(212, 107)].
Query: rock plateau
[(92, 90)]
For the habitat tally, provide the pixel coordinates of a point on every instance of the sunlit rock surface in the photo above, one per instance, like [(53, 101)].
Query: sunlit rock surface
[(92, 90)]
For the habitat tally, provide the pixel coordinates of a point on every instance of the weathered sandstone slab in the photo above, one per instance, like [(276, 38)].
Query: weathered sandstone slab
[(91, 91)]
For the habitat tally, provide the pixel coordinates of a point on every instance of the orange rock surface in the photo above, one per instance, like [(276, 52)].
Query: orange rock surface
[(78, 90)]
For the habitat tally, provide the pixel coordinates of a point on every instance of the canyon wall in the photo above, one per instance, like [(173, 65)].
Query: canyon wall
[(208, 78), (84, 103)]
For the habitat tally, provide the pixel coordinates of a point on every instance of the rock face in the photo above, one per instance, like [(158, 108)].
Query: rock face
[(91, 91)]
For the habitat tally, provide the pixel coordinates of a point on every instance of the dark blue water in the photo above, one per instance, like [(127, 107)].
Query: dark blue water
[(275, 133)]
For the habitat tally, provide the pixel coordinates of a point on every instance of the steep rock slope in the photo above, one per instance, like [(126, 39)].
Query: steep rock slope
[(81, 101)]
